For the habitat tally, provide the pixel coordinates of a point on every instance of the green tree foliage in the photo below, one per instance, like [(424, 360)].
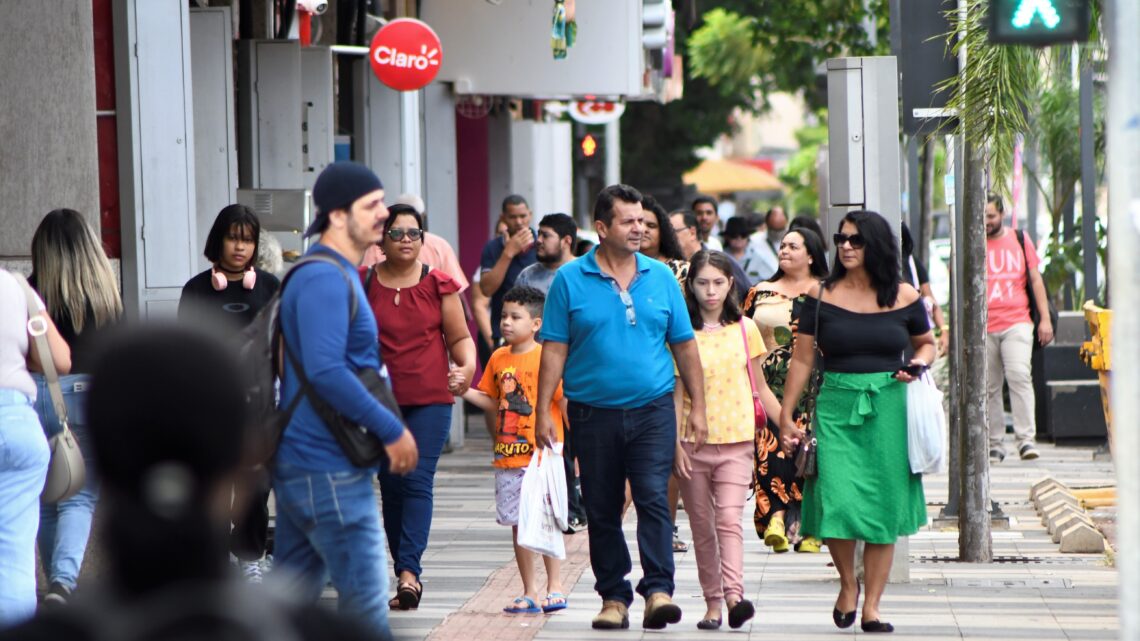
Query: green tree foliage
[(659, 142), (800, 175), (750, 48), (994, 90), (1008, 91), (731, 62)]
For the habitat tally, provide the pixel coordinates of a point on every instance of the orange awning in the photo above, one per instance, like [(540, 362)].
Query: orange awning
[(725, 176)]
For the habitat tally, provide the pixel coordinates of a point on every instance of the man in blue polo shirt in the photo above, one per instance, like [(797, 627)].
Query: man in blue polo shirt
[(609, 323)]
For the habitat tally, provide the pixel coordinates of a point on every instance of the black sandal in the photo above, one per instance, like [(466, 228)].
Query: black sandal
[(876, 626), (740, 613), (408, 596), (845, 620)]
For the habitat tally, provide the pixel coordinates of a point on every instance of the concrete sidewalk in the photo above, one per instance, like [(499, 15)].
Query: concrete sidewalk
[(1033, 592)]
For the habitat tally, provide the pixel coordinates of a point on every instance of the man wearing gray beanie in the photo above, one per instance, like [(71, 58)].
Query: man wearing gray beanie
[(328, 522)]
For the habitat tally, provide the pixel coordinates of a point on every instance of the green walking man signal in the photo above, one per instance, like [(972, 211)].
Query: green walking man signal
[(1027, 10), (1038, 22)]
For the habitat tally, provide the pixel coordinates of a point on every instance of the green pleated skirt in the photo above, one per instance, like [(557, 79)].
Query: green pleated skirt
[(864, 489)]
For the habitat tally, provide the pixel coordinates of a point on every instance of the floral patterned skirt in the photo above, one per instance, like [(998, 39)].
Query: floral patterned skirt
[(777, 488)]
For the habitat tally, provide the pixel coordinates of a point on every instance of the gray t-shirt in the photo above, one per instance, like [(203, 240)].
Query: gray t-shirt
[(538, 276), (14, 337)]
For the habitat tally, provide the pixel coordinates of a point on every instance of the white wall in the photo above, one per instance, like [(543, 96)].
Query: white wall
[(504, 49), (540, 166)]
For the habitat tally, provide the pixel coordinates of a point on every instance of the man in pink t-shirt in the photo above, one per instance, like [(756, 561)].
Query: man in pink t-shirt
[(1009, 337)]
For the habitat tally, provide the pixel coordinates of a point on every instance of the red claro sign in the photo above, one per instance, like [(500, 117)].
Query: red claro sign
[(405, 54)]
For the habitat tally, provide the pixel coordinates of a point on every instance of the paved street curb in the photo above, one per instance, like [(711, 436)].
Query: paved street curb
[(1065, 519), (481, 617)]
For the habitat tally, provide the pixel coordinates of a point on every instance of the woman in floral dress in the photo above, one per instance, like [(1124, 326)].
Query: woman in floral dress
[(774, 305)]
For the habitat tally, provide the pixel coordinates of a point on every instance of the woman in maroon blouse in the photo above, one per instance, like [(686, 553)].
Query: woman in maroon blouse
[(431, 358)]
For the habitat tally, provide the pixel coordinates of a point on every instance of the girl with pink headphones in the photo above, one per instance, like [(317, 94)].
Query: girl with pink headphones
[(229, 294), (223, 300)]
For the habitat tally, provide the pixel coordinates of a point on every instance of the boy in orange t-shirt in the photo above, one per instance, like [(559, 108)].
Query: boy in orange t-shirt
[(508, 390)]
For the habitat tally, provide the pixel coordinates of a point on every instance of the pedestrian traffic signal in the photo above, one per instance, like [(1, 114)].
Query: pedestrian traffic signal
[(589, 146), (1039, 22)]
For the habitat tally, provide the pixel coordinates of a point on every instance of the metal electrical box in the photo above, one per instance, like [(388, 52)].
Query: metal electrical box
[(270, 114), (317, 130), (388, 136), (215, 152), (863, 137), (284, 212), (156, 153)]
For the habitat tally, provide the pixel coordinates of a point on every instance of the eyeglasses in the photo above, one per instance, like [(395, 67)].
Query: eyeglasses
[(679, 229), (630, 312), (398, 234), (857, 241)]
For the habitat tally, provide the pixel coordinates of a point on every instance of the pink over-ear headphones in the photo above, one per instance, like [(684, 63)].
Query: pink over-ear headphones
[(220, 282)]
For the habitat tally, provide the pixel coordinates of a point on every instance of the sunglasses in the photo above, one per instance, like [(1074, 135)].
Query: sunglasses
[(857, 241), (630, 312), (398, 234)]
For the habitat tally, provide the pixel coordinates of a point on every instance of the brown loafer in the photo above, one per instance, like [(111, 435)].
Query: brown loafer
[(660, 611)]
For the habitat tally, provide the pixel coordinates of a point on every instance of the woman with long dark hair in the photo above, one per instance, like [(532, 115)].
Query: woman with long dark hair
[(222, 300), (775, 306), (426, 346), (73, 276), (660, 241), (715, 468), (863, 319)]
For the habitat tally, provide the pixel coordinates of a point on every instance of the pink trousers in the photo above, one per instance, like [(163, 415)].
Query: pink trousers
[(714, 499)]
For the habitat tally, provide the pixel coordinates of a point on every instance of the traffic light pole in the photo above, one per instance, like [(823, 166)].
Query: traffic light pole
[(1121, 21)]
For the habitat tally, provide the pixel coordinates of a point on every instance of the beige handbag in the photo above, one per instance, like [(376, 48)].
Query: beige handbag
[(66, 472)]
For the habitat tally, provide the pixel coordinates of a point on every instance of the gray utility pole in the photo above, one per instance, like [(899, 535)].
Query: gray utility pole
[(1088, 183), (1122, 20), (974, 541)]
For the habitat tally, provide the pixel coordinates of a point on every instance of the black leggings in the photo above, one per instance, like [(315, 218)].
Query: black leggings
[(249, 539)]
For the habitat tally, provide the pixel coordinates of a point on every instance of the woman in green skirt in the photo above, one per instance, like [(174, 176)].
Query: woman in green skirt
[(862, 318)]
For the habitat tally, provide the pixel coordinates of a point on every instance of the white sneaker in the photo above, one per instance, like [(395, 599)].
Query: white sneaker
[(251, 570)]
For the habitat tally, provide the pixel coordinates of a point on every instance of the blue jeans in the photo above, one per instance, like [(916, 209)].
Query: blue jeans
[(328, 526), (66, 526), (612, 446), (23, 468), (408, 500)]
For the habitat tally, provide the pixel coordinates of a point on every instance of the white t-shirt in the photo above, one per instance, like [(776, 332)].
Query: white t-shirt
[(14, 337)]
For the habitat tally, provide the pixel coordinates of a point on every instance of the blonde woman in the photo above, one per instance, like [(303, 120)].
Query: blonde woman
[(73, 276)]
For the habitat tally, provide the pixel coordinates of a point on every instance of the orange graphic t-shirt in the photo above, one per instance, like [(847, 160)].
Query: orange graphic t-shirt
[(512, 381)]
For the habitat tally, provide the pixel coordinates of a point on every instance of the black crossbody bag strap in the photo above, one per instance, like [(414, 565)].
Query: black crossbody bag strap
[(306, 386)]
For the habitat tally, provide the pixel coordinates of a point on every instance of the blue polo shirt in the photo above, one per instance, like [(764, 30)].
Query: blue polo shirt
[(612, 362)]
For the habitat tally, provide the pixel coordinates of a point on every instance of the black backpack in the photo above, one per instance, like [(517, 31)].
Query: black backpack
[(260, 351)]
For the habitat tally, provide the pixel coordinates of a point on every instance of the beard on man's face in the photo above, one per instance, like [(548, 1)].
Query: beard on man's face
[(547, 259)]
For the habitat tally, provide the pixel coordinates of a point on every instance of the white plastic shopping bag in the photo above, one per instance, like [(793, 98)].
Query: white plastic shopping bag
[(539, 529), (926, 427), (554, 472)]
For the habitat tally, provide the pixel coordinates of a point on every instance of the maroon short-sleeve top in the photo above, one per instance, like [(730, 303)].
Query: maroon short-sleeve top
[(411, 336)]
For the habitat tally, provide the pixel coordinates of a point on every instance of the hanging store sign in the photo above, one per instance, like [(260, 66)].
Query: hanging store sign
[(405, 54), (596, 112)]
